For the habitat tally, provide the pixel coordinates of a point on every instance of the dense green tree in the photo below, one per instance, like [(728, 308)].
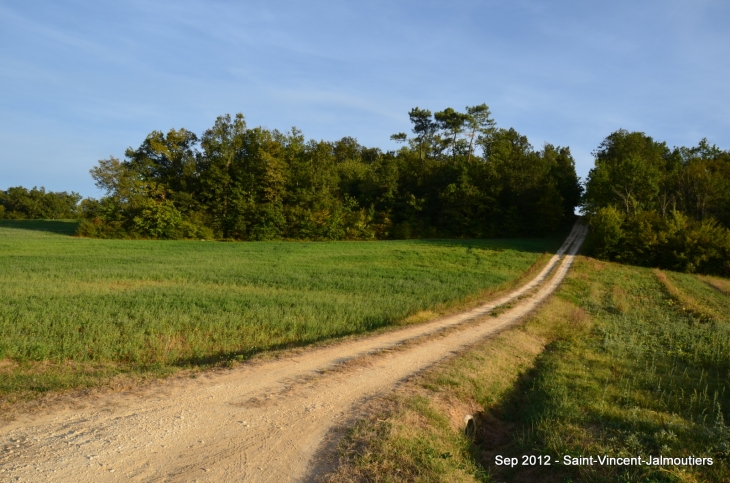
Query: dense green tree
[(562, 171), (37, 203), (650, 205), (479, 124), (453, 124), (535, 190), (628, 172), (424, 127)]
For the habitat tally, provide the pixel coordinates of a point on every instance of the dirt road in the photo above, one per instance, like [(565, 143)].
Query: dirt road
[(259, 422)]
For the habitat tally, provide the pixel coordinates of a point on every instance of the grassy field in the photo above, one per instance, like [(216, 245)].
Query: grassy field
[(75, 311), (624, 361)]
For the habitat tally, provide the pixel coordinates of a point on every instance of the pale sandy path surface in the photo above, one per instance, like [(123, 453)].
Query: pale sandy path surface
[(260, 422)]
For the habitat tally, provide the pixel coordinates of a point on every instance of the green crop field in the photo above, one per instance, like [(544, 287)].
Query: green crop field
[(76, 310)]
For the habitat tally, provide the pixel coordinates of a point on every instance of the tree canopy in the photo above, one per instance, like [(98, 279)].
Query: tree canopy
[(37, 203), (651, 205), (458, 175)]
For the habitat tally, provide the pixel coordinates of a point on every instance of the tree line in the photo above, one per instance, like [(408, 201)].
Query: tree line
[(651, 205), (456, 175), (20, 203)]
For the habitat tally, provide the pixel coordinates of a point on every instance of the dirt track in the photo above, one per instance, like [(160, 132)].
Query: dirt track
[(259, 422)]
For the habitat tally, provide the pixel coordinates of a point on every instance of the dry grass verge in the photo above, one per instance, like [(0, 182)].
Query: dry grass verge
[(720, 284), (686, 302)]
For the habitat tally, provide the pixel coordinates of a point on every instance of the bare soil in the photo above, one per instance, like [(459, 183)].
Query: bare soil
[(261, 422)]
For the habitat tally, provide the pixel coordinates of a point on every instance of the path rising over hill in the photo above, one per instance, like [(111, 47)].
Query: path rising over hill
[(260, 422)]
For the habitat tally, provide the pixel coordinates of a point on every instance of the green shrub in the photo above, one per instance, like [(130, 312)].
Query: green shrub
[(676, 241), (607, 234), (158, 219)]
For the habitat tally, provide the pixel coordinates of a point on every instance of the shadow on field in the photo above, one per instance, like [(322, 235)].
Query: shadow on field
[(530, 245), (232, 357), (526, 243), (504, 428), (59, 227), (522, 244)]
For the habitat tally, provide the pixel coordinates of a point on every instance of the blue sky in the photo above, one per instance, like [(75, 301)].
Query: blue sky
[(81, 81)]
